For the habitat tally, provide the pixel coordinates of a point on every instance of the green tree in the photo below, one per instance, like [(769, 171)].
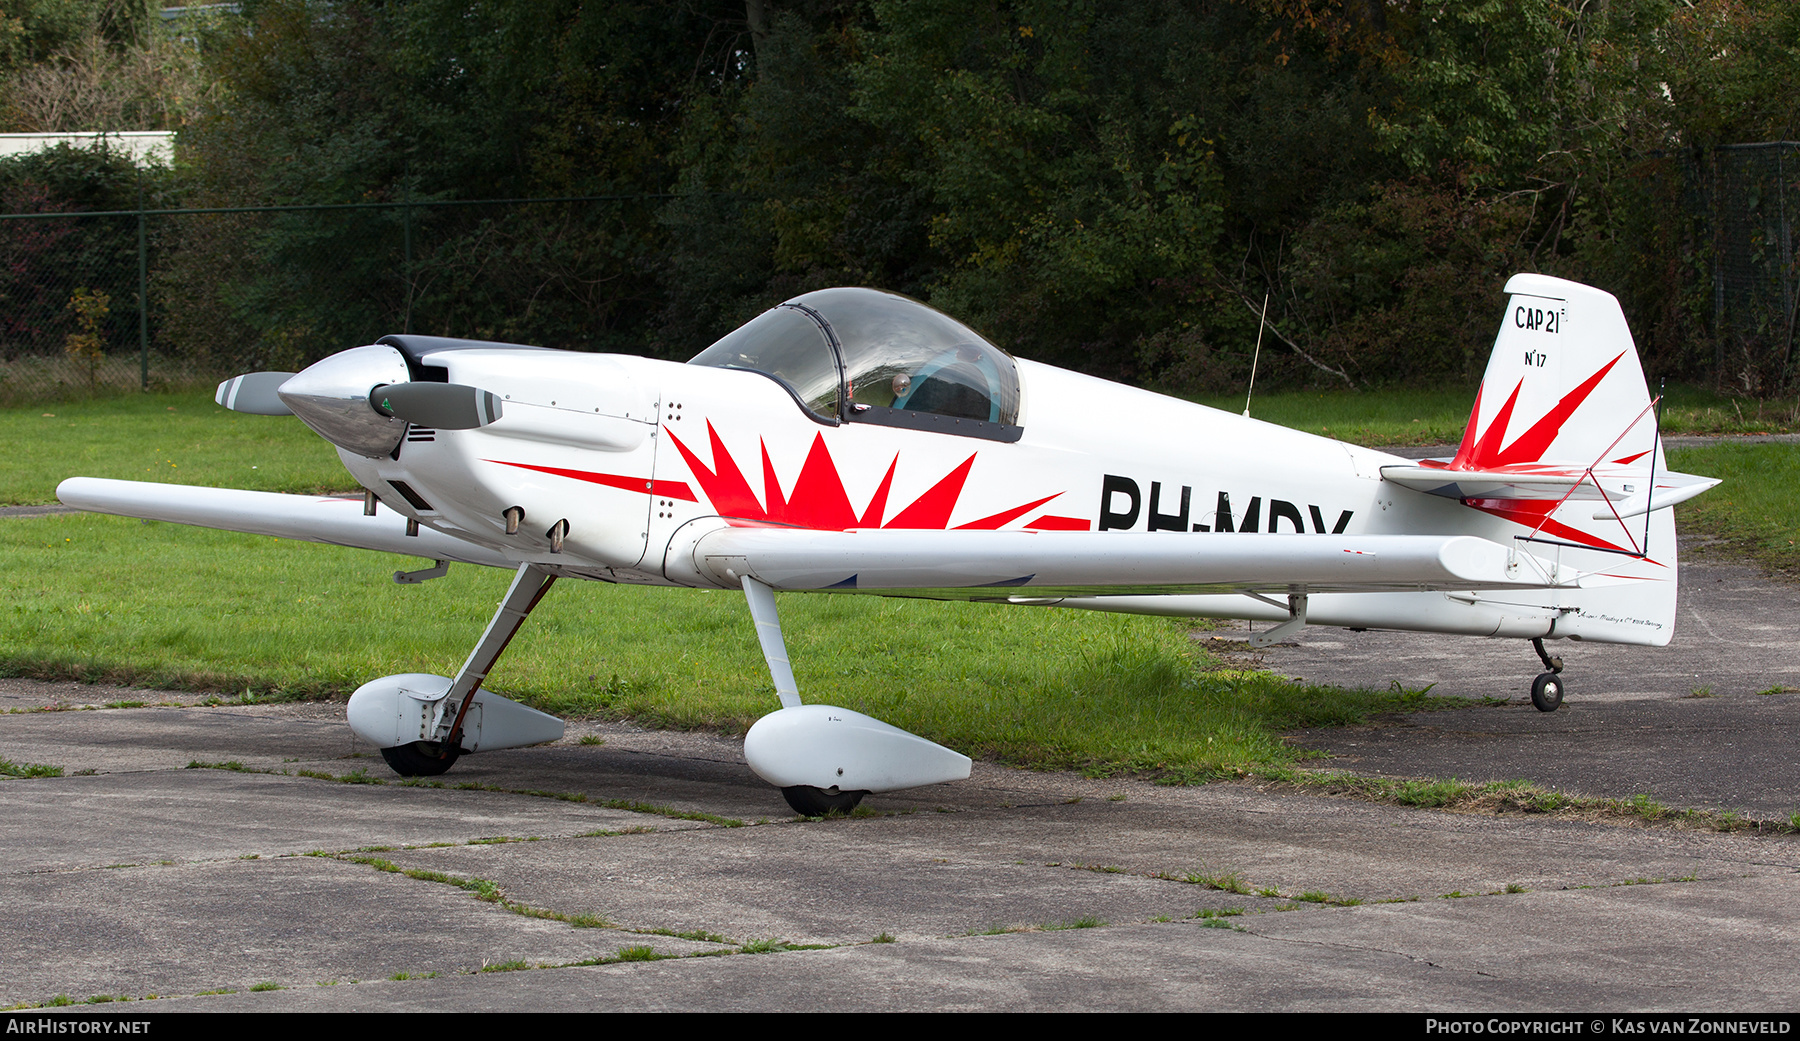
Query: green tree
[(359, 101), (1064, 172)]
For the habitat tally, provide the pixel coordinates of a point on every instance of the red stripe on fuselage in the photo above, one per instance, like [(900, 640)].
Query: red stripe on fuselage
[(672, 489)]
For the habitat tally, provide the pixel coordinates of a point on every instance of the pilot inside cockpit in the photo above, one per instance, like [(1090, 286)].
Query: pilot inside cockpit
[(900, 362), (961, 381)]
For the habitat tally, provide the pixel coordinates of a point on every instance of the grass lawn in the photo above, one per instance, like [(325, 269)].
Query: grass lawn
[(177, 438), (1756, 511), (1437, 416), (1432, 416), (1414, 417)]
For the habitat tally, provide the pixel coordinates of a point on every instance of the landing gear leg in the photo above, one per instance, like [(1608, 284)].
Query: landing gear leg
[(429, 758), (806, 800), (1547, 689)]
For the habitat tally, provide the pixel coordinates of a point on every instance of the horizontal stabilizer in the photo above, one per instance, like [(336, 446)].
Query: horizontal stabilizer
[(1670, 488), (1052, 563), (1628, 488), (1521, 483), (307, 518)]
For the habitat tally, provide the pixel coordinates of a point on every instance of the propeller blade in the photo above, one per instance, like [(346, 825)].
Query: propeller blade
[(441, 406), (254, 393)]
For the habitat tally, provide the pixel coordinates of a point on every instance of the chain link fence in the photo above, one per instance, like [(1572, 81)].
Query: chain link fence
[(97, 302), (1750, 197)]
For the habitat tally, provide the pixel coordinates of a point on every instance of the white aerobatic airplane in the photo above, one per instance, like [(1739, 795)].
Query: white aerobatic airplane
[(856, 441)]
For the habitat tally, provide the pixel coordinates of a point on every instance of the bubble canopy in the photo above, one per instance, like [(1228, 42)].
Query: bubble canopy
[(865, 356)]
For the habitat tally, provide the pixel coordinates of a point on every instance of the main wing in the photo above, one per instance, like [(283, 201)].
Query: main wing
[(308, 518), (962, 564), (1010, 564)]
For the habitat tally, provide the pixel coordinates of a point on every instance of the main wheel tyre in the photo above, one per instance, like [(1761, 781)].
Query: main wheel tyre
[(420, 759), (1547, 692), (808, 801)]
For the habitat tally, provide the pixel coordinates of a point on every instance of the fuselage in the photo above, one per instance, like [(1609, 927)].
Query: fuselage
[(630, 450)]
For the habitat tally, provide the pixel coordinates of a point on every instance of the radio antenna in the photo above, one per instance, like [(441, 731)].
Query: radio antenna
[(1264, 320), (1662, 390)]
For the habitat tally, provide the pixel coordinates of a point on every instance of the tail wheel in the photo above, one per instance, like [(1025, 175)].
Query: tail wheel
[(420, 759), (1547, 692), (808, 801)]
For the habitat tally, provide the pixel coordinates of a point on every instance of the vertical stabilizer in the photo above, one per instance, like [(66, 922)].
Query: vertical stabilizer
[(1564, 397), (1563, 383)]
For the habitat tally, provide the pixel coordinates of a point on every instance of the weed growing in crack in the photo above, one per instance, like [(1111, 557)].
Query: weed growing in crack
[(771, 946), (12, 769), (1231, 883), (691, 934)]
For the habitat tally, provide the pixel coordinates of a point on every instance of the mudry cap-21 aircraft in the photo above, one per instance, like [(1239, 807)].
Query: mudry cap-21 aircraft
[(856, 441)]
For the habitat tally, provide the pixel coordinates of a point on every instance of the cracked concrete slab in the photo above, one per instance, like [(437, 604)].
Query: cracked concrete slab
[(292, 921), (75, 823), (950, 874), (1582, 951)]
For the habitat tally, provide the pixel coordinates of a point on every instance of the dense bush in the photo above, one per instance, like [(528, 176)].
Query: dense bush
[(45, 262)]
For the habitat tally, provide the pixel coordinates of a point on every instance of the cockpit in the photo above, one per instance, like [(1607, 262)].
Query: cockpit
[(865, 356)]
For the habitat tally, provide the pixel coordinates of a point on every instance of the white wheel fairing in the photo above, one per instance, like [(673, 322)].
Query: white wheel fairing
[(407, 708), (826, 747)]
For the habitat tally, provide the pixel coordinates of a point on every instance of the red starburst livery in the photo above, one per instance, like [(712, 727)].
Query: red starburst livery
[(818, 499)]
